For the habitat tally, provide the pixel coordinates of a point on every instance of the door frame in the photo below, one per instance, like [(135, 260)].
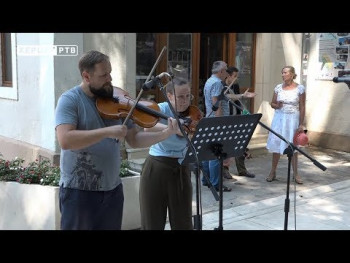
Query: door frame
[(228, 55)]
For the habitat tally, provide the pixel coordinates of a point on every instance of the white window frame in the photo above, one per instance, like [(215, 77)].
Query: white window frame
[(11, 92)]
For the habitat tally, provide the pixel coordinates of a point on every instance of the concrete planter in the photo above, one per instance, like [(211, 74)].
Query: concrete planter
[(28, 207), (36, 207), (131, 213)]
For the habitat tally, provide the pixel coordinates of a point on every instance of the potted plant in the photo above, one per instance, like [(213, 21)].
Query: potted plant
[(29, 195)]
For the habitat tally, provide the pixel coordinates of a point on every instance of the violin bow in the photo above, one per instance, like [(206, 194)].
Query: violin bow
[(228, 88), (230, 100), (141, 91)]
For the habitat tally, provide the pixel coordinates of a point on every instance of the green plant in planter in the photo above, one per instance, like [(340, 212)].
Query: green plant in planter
[(35, 173), (125, 168), (40, 173), (43, 172), (9, 169), (52, 177)]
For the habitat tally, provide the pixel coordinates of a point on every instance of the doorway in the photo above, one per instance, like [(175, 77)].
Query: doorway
[(225, 47), (213, 47)]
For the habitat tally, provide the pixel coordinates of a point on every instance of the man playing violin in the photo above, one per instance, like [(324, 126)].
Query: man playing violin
[(233, 93), (91, 192), (213, 88), (165, 185)]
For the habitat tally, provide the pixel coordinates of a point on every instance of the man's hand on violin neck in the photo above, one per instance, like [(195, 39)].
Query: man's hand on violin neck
[(173, 127)]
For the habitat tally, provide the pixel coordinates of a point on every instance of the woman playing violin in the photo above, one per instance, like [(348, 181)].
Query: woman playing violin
[(165, 184), (91, 191)]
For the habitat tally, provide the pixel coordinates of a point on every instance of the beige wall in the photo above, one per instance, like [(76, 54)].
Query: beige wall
[(27, 125), (10, 149), (273, 52), (20, 136), (327, 106), (121, 48), (327, 103)]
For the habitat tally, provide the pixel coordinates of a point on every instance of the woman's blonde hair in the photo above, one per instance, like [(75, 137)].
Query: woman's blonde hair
[(291, 69)]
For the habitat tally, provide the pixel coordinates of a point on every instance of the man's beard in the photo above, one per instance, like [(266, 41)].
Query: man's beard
[(106, 91)]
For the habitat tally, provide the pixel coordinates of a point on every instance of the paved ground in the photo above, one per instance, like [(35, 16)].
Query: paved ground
[(253, 204)]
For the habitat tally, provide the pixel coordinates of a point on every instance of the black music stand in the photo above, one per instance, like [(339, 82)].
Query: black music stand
[(221, 138)]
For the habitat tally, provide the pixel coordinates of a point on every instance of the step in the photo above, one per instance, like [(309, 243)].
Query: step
[(257, 149), (258, 138), (136, 164), (137, 153), (257, 145)]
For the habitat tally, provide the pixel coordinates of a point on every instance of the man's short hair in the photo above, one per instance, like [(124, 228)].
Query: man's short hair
[(231, 69)]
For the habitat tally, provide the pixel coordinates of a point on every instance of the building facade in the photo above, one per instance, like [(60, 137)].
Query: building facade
[(38, 67)]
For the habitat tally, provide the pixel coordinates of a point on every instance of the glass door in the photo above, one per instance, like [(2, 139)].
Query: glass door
[(145, 59), (211, 49), (180, 54), (244, 48)]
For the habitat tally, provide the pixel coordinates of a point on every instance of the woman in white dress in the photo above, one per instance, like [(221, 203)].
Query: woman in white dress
[(289, 103)]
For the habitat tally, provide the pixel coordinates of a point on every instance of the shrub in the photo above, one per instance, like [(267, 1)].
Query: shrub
[(124, 168), (35, 173), (40, 173), (9, 170), (43, 172)]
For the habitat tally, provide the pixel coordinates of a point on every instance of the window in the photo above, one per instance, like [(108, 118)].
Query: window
[(6, 60), (179, 54), (244, 62), (145, 59), (8, 75)]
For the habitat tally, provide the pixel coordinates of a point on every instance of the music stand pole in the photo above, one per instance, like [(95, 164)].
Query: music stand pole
[(197, 222), (289, 152), (217, 150)]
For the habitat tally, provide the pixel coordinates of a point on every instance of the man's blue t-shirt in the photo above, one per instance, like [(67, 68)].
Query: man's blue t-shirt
[(94, 168)]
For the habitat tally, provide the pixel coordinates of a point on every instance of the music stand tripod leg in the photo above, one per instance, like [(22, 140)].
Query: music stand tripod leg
[(197, 222), (197, 219), (220, 155), (210, 185)]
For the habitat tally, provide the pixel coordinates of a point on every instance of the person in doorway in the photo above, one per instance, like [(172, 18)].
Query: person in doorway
[(289, 103), (234, 94), (91, 192), (240, 59), (165, 185)]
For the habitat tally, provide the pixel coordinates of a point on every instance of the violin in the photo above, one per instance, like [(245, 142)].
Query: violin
[(146, 113), (194, 114)]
